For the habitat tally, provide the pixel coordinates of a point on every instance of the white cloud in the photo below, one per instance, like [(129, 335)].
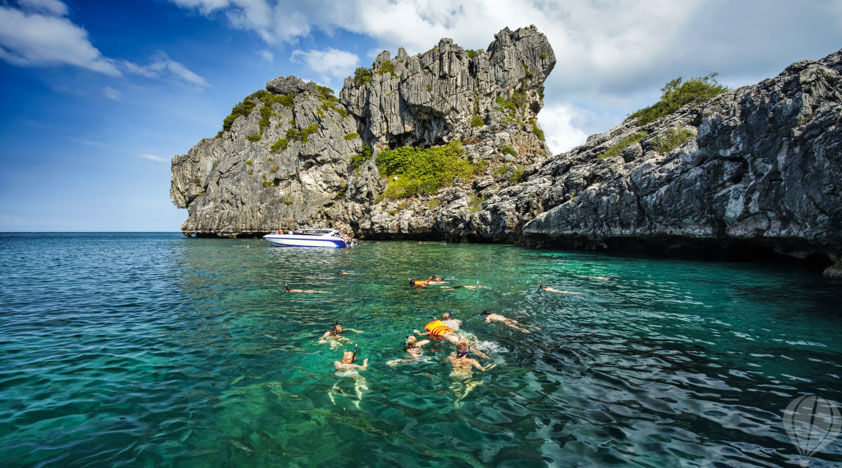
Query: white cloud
[(33, 39), (152, 157), (557, 122), (162, 65), (266, 55), (45, 6), (330, 63), (111, 93), (613, 55)]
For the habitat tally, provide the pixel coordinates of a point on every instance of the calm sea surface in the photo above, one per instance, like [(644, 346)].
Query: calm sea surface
[(152, 349)]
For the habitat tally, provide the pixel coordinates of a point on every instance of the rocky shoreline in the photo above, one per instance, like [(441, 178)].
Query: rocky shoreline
[(757, 169)]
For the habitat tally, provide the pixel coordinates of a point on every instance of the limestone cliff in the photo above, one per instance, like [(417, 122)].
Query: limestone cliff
[(756, 167)]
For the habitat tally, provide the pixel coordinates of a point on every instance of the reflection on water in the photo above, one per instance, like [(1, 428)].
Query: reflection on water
[(153, 349)]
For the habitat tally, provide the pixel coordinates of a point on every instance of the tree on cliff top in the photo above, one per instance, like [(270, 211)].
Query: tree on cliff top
[(678, 93)]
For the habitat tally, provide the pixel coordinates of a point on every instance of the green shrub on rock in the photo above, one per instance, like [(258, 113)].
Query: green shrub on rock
[(476, 121), (674, 138), (422, 171), (678, 93), (621, 145)]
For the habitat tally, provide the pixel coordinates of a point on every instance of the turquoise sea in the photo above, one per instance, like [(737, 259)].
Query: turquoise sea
[(156, 350)]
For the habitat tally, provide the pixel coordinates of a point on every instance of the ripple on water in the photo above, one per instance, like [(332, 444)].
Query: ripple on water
[(154, 349)]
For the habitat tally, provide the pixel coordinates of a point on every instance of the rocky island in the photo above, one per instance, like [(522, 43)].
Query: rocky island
[(446, 145)]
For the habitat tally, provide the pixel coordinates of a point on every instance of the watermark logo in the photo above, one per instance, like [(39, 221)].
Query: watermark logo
[(811, 423)]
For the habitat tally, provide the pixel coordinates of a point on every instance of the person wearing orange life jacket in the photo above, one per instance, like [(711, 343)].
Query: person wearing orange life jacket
[(419, 283), (437, 329)]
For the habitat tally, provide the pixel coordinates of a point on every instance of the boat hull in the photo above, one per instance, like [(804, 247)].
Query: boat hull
[(287, 240)]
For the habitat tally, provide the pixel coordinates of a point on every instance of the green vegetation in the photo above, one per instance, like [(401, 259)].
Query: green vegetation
[(528, 73), (509, 150), (329, 101), (473, 53), (197, 181), (678, 93), (362, 76), (357, 160), (351, 136), (537, 130), (476, 121), (544, 55), (622, 144), (423, 170), (674, 138), (434, 203), (501, 171), (475, 203), (517, 175), (287, 202), (429, 87), (249, 162), (309, 130), (279, 144), (250, 172), (268, 183), (269, 159), (242, 109), (387, 67), (265, 113), (274, 168), (253, 138)]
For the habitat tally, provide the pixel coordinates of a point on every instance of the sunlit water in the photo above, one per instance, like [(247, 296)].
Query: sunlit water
[(152, 349)]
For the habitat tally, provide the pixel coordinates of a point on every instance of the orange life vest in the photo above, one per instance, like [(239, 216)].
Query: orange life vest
[(437, 329), (434, 278), (417, 283)]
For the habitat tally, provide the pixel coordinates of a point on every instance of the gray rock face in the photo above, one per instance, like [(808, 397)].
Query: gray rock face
[(434, 97), (761, 166), (764, 169)]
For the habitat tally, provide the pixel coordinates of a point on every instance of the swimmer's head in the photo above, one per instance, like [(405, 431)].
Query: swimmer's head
[(337, 327), (461, 348), (286, 287), (541, 286), (485, 313), (348, 357), (411, 340), (446, 315)]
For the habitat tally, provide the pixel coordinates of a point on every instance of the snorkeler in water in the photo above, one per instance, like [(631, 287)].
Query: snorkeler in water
[(437, 329), (347, 367), (462, 372), (334, 335), (447, 319), (413, 349), (553, 290), (489, 317), (306, 291), (470, 286)]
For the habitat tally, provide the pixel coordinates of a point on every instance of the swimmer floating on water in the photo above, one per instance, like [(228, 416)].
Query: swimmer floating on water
[(334, 335), (437, 329), (447, 319), (413, 349), (346, 367), (306, 291), (462, 367), (489, 317), (477, 286), (552, 290)]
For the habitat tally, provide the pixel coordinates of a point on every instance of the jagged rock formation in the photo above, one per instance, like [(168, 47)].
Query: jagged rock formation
[(764, 170), (760, 167), (433, 97), (244, 183)]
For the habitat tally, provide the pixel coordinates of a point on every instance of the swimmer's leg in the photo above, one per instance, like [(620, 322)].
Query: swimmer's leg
[(359, 386), (333, 391)]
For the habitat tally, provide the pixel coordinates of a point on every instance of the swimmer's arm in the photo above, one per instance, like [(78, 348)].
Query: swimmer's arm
[(422, 343), (478, 366), (327, 333), (364, 366), (355, 331), (419, 333)]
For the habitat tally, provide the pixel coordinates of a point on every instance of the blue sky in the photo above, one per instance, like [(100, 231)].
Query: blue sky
[(98, 96)]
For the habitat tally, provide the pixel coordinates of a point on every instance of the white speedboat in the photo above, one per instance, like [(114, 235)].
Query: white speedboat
[(330, 238)]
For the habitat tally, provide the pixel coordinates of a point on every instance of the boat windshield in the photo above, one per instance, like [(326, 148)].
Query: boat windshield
[(315, 232)]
